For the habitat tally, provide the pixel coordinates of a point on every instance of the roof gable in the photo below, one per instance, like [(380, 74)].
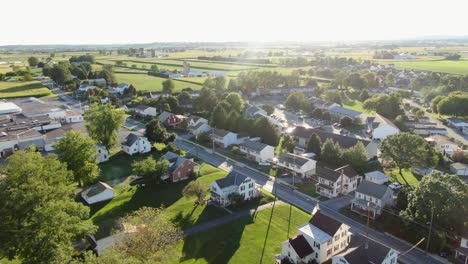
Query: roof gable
[(325, 223), (372, 189)]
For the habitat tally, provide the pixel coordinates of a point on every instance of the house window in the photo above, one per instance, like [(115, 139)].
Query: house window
[(329, 252), (316, 255), (242, 188), (337, 237), (105, 156), (336, 248), (329, 243)]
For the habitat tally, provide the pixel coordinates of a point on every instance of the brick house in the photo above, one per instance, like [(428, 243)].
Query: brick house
[(180, 168)]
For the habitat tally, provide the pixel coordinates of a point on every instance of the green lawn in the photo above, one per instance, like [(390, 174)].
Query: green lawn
[(309, 189), (178, 208), (409, 176), (355, 105), (23, 89), (120, 165), (151, 83), (454, 67), (243, 241)]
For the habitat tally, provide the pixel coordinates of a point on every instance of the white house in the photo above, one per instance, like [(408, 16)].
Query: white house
[(102, 155), (370, 198), (457, 123), (73, 117), (459, 169), (461, 253), (97, 82), (297, 164), (318, 240), (322, 104), (222, 189), (332, 183), (223, 138), (444, 144), (253, 111), (136, 144), (338, 112), (98, 192), (376, 177), (120, 89), (361, 250), (197, 125), (380, 127), (140, 109), (258, 151)]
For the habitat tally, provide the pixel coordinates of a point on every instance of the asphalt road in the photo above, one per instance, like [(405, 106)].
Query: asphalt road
[(288, 195)]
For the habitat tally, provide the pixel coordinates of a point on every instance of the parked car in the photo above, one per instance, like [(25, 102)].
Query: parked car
[(395, 186)]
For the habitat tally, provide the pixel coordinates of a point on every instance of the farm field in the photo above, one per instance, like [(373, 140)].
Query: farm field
[(453, 67), (243, 241), (149, 83), (23, 89)]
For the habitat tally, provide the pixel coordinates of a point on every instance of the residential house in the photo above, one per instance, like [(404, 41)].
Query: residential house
[(73, 117), (197, 125), (157, 95), (180, 168), (119, 90), (443, 144), (102, 155), (96, 82), (424, 170), (98, 192), (363, 250), (461, 253), (426, 128), (171, 120), (377, 177), (322, 104), (459, 169), (282, 91), (370, 198), (51, 137), (457, 123), (297, 164), (341, 181), (223, 137), (379, 127), (317, 241), (302, 135), (135, 144), (258, 151), (337, 112), (253, 111), (222, 189), (141, 110)]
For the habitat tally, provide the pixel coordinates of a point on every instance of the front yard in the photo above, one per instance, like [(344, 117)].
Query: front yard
[(255, 238), (178, 208)]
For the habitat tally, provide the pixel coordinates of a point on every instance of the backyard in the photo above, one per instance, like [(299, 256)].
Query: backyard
[(23, 89), (143, 82), (255, 238)]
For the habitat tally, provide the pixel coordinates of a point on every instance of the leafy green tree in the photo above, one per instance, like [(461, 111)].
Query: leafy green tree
[(168, 86), (207, 100), (390, 79), (455, 103), (60, 74), (150, 168), (33, 61), (195, 189), (446, 195), (268, 108), (355, 80), (39, 219), (331, 152), (435, 102), (217, 83), (155, 240), (218, 117), (79, 154), (235, 100), (296, 101), (232, 121), (287, 143), (173, 103), (184, 96), (405, 150), (103, 123), (267, 131), (388, 105), (346, 121), (356, 156), (157, 133), (314, 144), (154, 68)]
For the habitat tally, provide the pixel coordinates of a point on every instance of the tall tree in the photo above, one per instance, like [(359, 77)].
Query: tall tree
[(218, 117), (79, 154), (39, 219), (60, 74), (267, 131), (388, 105), (157, 133), (405, 150), (195, 189), (287, 143), (207, 100), (150, 168), (236, 102), (33, 61), (331, 152), (168, 86), (314, 144), (356, 156), (154, 240), (103, 123), (296, 101)]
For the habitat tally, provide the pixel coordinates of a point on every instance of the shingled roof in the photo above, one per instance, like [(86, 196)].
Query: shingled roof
[(361, 250), (293, 159), (325, 223), (233, 178), (343, 141), (372, 189), (301, 246)]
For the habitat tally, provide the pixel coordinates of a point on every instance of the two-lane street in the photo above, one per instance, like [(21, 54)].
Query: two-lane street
[(307, 204)]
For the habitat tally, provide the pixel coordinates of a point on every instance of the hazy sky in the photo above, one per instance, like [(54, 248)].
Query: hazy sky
[(142, 21)]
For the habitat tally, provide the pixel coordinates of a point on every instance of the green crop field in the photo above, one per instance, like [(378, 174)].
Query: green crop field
[(149, 83), (454, 67), (23, 89)]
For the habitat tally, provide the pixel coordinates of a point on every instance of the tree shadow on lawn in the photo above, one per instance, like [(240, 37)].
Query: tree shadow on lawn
[(21, 88), (184, 221), (218, 244)]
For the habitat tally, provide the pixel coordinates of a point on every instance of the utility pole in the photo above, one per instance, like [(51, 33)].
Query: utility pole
[(430, 230), (212, 139)]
